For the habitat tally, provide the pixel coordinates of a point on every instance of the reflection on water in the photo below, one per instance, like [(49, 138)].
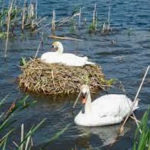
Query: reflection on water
[(106, 135)]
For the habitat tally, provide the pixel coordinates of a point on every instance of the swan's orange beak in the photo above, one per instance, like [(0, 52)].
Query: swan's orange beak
[(83, 100)]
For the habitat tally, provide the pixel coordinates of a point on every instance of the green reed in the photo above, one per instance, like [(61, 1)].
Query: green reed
[(8, 118), (142, 140)]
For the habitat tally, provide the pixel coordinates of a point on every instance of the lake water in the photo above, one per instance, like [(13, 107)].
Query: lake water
[(126, 60)]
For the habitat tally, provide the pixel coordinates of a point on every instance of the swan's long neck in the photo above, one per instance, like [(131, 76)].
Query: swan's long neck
[(60, 49), (88, 107)]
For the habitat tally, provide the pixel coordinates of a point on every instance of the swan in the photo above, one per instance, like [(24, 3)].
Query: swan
[(67, 59), (105, 110)]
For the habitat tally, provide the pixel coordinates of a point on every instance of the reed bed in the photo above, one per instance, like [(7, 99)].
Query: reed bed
[(15, 17), (55, 79), (23, 140)]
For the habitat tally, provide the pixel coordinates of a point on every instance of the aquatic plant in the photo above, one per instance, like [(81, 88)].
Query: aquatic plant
[(7, 119), (23, 61), (26, 142), (106, 29), (142, 139), (16, 17), (93, 25)]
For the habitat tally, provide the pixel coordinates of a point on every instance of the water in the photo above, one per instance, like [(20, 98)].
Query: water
[(126, 60)]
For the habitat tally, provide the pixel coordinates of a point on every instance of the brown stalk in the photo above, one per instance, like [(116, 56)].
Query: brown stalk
[(64, 38), (53, 28), (8, 27), (23, 15), (135, 101)]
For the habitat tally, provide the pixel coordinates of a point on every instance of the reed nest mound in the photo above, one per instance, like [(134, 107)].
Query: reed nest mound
[(54, 79)]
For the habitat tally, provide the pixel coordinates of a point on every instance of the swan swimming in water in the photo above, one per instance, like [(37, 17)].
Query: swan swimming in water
[(67, 59), (105, 110)]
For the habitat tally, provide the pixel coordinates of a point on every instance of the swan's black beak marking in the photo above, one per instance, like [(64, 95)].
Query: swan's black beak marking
[(54, 48), (84, 95), (84, 98)]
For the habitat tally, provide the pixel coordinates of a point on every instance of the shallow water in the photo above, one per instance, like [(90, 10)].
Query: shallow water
[(126, 60)]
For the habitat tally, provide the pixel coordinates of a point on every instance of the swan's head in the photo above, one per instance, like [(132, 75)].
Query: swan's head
[(85, 90), (58, 47)]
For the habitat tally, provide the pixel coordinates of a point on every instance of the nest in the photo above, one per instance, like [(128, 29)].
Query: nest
[(54, 79)]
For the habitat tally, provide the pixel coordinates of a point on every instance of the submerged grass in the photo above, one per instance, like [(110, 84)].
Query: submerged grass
[(54, 79)]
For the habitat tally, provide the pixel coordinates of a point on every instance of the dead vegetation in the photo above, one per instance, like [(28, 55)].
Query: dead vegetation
[(57, 79)]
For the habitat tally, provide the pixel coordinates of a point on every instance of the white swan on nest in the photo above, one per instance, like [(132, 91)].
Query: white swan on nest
[(105, 110), (67, 59)]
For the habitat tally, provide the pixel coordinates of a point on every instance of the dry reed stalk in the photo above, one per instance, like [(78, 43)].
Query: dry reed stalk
[(53, 28), (64, 38), (24, 15), (95, 17), (10, 110), (28, 141), (39, 46), (41, 20), (8, 27), (42, 27), (31, 16), (36, 7), (135, 100), (66, 19), (31, 10), (106, 26), (22, 136), (15, 144)]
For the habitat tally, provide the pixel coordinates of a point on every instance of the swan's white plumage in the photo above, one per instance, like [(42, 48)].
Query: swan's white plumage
[(73, 60), (106, 110), (67, 59), (51, 57)]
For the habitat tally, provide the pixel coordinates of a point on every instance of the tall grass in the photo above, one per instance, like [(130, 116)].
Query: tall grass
[(7, 119), (16, 19)]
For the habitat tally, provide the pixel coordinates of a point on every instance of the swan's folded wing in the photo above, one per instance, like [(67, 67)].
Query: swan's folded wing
[(112, 105)]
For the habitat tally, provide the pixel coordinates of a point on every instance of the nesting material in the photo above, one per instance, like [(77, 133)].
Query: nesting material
[(54, 79)]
